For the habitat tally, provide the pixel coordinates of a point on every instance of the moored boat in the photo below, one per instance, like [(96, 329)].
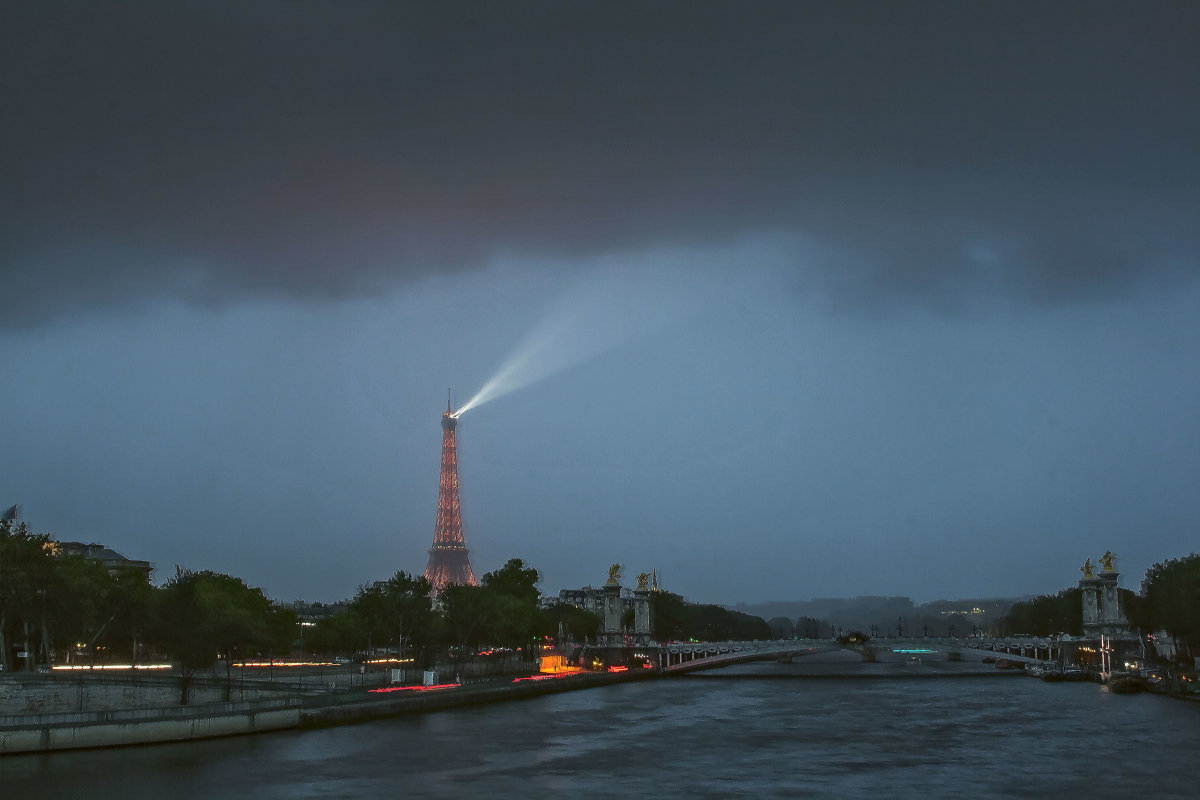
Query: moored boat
[(1125, 684)]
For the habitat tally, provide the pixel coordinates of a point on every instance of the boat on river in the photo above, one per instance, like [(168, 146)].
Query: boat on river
[(1126, 684)]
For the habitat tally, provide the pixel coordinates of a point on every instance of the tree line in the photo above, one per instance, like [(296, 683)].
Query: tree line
[(64, 607), (676, 620), (400, 614), (61, 607)]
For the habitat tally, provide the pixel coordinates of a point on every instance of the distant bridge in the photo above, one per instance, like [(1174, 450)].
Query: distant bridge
[(677, 658)]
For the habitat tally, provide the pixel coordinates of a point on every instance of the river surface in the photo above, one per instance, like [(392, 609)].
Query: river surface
[(754, 731)]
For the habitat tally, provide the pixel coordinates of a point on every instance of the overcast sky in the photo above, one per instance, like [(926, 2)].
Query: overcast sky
[(823, 299)]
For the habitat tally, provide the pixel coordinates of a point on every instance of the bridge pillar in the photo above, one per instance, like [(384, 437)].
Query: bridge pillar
[(612, 613), (641, 616), (1090, 587)]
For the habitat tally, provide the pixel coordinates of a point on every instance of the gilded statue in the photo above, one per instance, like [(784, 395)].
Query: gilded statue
[(1087, 568), (643, 580), (614, 575), (1107, 560)]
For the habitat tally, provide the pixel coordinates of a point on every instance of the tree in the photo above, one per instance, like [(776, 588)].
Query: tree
[(1046, 615), (512, 593), (781, 628), (129, 603), (675, 619), (80, 598), (338, 633), (571, 623), (1171, 592), (468, 612), (398, 610), (201, 616), (26, 572), (813, 628), (515, 579)]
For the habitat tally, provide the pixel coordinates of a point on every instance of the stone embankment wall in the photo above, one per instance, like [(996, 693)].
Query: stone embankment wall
[(48, 730), (474, 667), (55, 694), (24, 733)]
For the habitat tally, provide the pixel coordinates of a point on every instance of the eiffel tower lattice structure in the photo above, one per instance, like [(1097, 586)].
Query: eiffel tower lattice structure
[(448, 559)]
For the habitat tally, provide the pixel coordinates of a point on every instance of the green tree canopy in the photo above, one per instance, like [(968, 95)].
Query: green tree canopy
[(512, 595), (1046, 615), (675, 619), (28, 563), (200, 616), (1171, 600), (469, 614), (514, 579), (571, 623), (396, 611)]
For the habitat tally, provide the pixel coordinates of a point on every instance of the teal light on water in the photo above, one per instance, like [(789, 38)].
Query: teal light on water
[(914, 651)]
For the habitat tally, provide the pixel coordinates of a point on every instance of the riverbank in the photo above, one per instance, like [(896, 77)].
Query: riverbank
[(29, 733), (319, 712)]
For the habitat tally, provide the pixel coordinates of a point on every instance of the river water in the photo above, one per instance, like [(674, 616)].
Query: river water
[(753, 731)]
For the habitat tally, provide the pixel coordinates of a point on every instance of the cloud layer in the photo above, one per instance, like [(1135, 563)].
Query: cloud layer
[(213, 151)]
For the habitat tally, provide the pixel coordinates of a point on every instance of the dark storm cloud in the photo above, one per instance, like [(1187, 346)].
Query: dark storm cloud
[(210, 150)]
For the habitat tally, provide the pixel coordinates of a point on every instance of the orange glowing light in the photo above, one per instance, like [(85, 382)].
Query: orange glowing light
[(416, 688), (111, 666), (257, 664), (555, 664), (545, 677), (617, 668)]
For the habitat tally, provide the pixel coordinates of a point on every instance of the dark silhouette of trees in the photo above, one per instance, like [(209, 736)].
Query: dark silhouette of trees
[(513, 595), (571, 623), (49, 600), (1171, 601), (811, 628), (781, 628), (26, 572), (1045, 615), (468, 614), (675, 619), (397, 611), (203, 616)]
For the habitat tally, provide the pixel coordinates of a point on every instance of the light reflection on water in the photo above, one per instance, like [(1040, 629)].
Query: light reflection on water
[(1000, 736)]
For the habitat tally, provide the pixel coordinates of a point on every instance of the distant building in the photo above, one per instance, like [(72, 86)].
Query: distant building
[(113, 561), (588, 599)]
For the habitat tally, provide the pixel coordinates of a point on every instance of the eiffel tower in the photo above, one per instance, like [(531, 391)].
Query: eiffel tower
[(448, 558)]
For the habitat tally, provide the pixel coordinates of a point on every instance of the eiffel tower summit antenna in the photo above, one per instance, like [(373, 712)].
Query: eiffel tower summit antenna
[(449, 561)]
